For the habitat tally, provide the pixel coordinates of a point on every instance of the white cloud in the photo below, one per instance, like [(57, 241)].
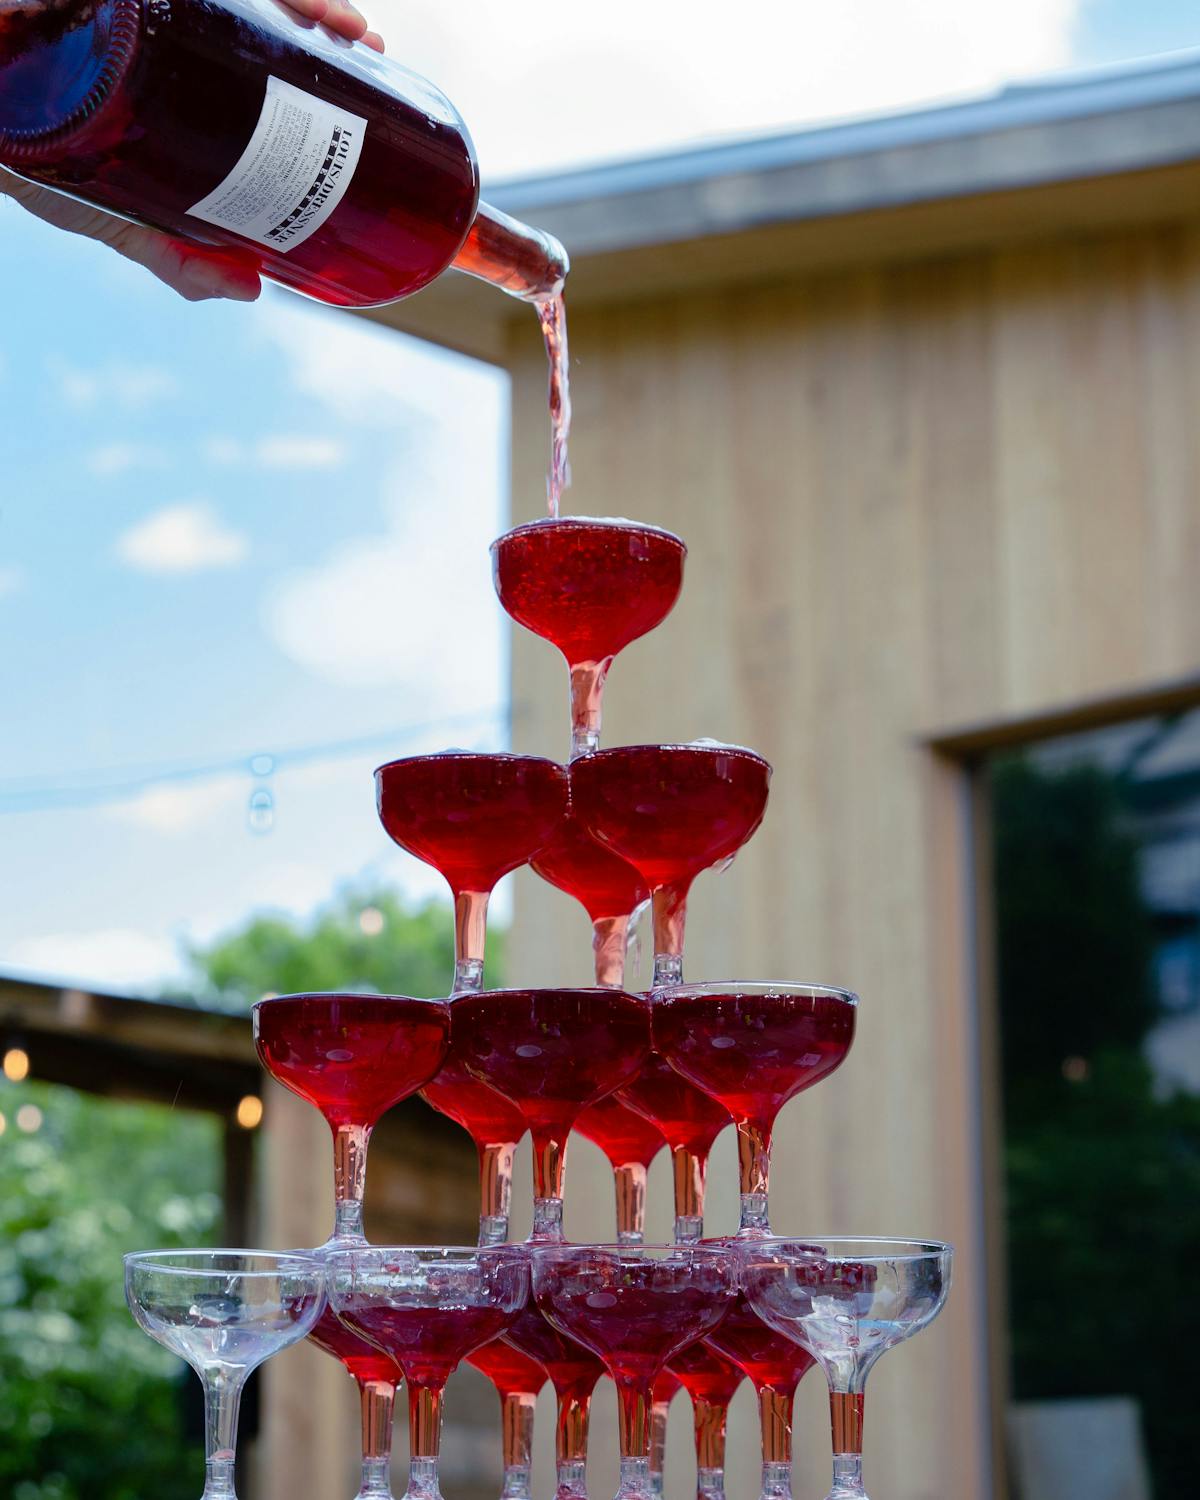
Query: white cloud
[(120, 458), (182, 539), (112, 958), (288, 886), (178, 808), (682, 77), (11, 580), (298, 452), (127, 386)]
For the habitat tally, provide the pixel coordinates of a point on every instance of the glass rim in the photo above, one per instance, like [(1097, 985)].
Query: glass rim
[(458, 754), (900, 1248), (742, 751), (605, 990), (347, 995), (432, 1253), (161, 1260), (760, 987), (566, 1247), (583, 523)]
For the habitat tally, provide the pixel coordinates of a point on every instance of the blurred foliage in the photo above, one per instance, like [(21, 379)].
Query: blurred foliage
[(1103, 1174), (364, 939), (89, 1406)]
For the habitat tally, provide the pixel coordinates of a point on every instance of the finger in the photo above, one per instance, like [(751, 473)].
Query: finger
[(372, 40), (196, 272), (345, 20), (311, 10)]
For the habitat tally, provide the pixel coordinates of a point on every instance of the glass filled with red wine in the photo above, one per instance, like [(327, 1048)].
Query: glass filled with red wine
[(608, 888), (427, 1309), (752, 1047), (631, 1142), (517, 1379), (354, 1057), (377, 1375), (551, 1053), (573, 1371), (636, 1308), (711, 1381), (473, 817), (589, 586), (671, 811), (775, 1364)]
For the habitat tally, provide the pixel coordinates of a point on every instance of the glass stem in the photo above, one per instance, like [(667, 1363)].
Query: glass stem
[(516, 1415), (222, 1398), (775, 1420), (659, 1413), (708, 1420), (630, 1183), (571, 1435), (495, 1191), (670, 915), (690, 1170), (608, 950), (549, 1158), (350, 1144), (377, 1399), (424, 1440), (587, 697), (846, 1417), (571, 1474), (754, 1166), (470, 936)]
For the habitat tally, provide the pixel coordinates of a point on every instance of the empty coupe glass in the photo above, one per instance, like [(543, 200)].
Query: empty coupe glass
[(224, 1311), (846, 1301)]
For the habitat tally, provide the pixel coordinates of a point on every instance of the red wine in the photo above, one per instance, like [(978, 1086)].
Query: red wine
[(363, 1360), (624, 1136), (671, 810), (508, 1368), (665, 1388), (353, 1056), (572, 1368), (472, 817), (551, 1052), (753, 1051), (237, 123), (769, 1359), (706, 1374), (634, 1313), (552, 313), (687, 1118), (589, 586), (602, 882), (427, 1342), (487, 1117)]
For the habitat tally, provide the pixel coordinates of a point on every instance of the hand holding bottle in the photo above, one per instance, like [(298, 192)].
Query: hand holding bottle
[(197, 272)]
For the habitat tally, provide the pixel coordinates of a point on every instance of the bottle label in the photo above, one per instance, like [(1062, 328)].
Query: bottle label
[(292, 175)]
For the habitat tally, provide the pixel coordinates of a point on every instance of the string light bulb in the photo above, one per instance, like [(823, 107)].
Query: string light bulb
[(249, 1112), (16, 1065)]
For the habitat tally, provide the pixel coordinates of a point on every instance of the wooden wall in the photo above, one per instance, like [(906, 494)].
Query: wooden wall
[(918, 498)]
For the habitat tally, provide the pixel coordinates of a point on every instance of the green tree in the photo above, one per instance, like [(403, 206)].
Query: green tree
[(1102, 1174), (364, 939)]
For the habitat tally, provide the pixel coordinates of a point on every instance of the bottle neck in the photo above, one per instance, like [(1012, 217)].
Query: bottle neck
[(525, 263)]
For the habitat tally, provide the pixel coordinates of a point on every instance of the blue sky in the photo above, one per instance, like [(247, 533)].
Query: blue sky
[(229, 530)]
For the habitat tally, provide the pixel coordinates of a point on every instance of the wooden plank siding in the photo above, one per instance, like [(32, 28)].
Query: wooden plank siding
[(918, 497)]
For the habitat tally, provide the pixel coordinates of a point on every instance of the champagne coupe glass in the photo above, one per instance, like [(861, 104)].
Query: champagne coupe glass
[(574, 1371), (711, 1380), (517, 1380), (496, 1127), (690, 1121), (671, 811), (589, 586), (666, 1387), (775, 1364), (377, 1376), (608, 888), (846, 1301), (224, 1311), (752, 1047), (631, 1142), (427, 1309), (636, 1307), (354, 1057), (551, 1053), (473, 818)]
